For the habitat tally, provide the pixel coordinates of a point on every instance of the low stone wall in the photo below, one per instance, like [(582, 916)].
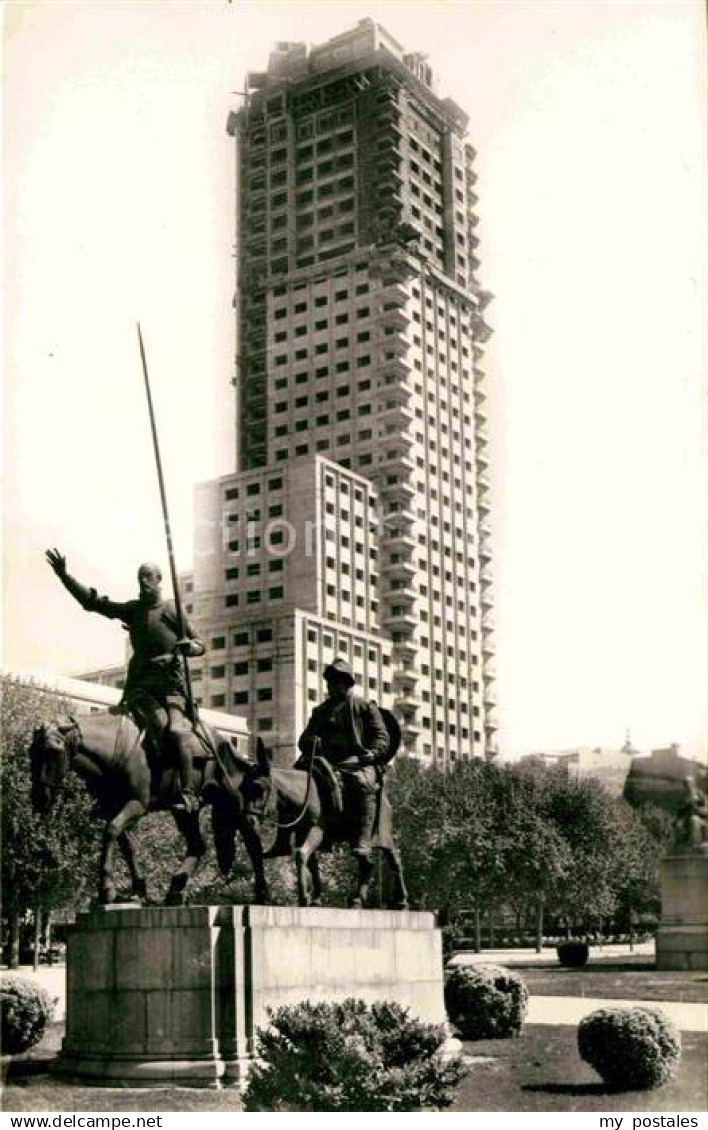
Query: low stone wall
[(175, 995)]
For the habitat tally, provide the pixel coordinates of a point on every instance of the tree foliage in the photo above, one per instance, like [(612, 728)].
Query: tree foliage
[(527, 837), (47, 862)]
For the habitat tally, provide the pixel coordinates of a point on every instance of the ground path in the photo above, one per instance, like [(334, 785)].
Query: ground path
[(687, 1016)]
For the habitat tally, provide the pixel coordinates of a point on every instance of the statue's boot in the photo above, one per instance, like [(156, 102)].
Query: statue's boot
[(187, 746), (365, 867), (399, 896), (366, 813), (366, 805)]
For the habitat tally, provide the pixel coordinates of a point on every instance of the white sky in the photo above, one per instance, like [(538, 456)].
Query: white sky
[(589, 119)]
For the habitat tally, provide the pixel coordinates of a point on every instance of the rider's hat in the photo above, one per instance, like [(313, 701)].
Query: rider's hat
[(339, 669)]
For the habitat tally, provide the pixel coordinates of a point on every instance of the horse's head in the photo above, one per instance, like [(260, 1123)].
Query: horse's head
[(259, 798), (50, 761)]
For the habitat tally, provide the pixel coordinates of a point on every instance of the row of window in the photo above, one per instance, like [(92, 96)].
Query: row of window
[(306, 173), (252, 489), (304, 329), (307, 219), (264, 665), (364, 460), (320, 349), (345, 596), (428, 157), (266, 724), (323, 395), (242, 638), (326, 145), (300, 306), (253, 596), (324, 191), (343, 645), (253, 570), (307, 242)]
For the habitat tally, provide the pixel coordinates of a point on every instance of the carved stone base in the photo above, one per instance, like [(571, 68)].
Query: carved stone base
[(682, 939), (174, 996)]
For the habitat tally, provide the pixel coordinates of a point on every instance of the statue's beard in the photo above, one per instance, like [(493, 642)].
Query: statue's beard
[(151, 598)]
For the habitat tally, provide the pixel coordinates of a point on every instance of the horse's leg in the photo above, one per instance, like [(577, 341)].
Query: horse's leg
[(400, 894), (280, 846), (115, 828), (188, 825), (137, 881), (303, 851), (314, 865), (254, 847)]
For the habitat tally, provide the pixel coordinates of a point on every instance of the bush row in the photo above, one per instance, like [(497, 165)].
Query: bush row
[(355, 1057)]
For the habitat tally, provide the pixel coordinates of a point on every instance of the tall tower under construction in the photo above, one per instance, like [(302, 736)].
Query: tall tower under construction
[(357, 521)]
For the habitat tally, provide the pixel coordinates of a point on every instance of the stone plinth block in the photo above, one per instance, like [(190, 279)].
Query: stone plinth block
[(175, 995), (682, 939)]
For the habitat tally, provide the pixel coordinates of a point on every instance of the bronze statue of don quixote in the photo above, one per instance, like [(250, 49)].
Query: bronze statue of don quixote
[(153, 753)]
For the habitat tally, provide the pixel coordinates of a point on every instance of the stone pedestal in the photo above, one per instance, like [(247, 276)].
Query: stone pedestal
[(682, 939), (174, 996)]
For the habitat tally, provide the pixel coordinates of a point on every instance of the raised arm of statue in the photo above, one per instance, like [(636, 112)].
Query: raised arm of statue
[(86, 597)]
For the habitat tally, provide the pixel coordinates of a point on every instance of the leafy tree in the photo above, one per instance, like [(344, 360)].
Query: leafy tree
[(50, 861), (417, 799), (526, 837), (537, 857), (648, 836)]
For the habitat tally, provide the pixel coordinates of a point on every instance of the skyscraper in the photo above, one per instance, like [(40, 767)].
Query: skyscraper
[(357, 522)]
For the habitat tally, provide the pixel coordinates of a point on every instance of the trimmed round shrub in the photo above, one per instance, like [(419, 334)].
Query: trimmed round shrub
[(485, 1002), (573, 954), (25, 1010), (350, 1056), (634, 1048)]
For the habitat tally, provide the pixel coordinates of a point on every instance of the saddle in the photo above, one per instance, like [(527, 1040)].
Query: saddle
[(160, 748)]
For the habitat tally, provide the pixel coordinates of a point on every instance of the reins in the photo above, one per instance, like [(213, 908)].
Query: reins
[(293, 823)]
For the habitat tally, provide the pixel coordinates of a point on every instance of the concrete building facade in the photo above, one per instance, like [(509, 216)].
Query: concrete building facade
[(362, 499)]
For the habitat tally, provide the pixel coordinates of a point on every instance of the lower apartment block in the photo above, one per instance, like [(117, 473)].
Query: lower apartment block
[(292, 568), (285, 579)]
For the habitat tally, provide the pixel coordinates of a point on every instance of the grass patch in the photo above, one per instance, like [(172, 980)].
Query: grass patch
[(539, 1071), (615, 980), (543, 1071)]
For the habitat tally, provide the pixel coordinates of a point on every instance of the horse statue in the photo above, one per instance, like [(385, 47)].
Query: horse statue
[(110, 754), (295, 803)]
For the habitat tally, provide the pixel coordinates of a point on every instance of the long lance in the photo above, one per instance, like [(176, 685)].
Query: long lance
[(166, 521)]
